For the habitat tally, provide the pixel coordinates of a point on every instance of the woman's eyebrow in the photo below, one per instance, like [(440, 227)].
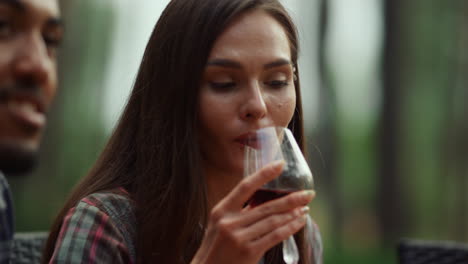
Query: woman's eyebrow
[(277, 63), (224, 63), (236, 65)]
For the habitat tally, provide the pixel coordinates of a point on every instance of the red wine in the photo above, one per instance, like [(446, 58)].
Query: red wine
[(265, 195)]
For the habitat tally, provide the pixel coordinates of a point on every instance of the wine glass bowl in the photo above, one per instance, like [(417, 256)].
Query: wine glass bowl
[(267, 145), (277, 143)]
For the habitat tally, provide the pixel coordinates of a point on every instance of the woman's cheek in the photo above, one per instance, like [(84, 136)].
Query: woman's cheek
[(284, 110)]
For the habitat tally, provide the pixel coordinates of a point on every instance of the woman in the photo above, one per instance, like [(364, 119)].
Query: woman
[(168, 187)]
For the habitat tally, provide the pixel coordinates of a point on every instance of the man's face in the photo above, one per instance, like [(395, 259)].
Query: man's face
[(30, 31)]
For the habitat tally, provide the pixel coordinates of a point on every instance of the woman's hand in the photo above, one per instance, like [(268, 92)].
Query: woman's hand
[(237, 235)]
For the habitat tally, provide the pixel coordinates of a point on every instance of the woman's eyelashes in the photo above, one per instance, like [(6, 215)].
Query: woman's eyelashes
[(277, 83), (227, 86), (278, 80), (228, 83), (222, 85)]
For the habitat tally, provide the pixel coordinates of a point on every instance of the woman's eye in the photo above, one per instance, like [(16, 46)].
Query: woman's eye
[(277, 83), (222, 85)]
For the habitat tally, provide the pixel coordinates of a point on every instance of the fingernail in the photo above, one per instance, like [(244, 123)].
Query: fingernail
[(301, 211), (308, 193)]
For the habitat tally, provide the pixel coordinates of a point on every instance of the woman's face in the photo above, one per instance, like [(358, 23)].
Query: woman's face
[(247, 84)]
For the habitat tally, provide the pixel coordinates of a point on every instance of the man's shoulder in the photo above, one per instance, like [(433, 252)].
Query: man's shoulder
[(4, 188), (5, 202), (3, 182), (6, 220)]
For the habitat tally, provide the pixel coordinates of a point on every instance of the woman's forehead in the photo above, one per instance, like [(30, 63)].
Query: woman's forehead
[(254, 32)]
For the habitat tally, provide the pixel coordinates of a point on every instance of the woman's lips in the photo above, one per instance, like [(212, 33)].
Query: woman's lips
[(249, 139)]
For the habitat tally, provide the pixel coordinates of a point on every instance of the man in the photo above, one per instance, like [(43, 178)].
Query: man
[(30, 31)]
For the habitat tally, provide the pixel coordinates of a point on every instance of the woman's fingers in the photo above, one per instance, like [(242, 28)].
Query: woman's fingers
[(285, 204), (255, 229), (249, 185), (271, 223), (271, 239)]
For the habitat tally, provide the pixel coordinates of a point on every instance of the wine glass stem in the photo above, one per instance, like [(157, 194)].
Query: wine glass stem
[(290, 252)]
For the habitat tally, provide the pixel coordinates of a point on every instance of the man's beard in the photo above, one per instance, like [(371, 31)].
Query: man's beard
[(16, 160)]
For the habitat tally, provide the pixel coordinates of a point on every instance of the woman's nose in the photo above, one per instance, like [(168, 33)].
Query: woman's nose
[(254, 106)]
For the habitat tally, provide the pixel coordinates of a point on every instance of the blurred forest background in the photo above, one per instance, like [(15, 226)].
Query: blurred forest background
[(384, 87)]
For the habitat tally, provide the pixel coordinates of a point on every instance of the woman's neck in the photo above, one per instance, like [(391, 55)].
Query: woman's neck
[(219, 183)]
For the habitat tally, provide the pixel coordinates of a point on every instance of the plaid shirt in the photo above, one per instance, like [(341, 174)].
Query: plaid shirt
[(100, 229), (6, 221)]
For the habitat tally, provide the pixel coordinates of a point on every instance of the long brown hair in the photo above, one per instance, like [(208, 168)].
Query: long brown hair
[(153, 152)]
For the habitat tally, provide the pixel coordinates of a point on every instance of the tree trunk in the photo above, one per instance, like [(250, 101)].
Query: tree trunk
[(327, 136), (390, 206)]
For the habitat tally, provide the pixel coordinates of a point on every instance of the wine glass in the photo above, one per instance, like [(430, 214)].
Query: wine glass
[(265, 146)]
